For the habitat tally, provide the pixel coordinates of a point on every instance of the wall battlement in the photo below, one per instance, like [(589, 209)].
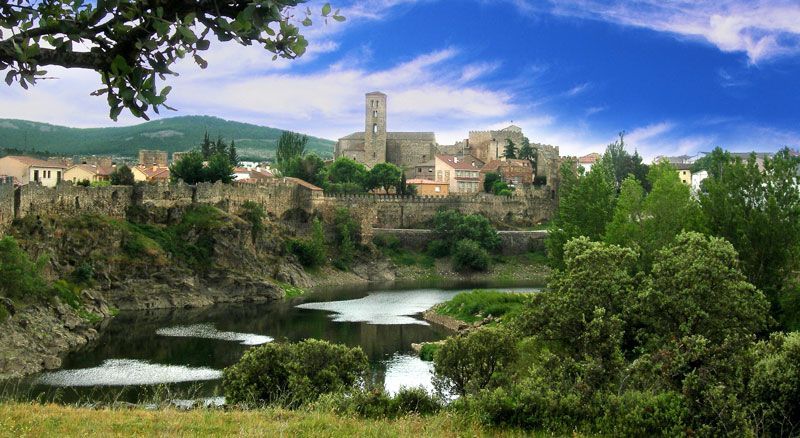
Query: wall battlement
[(280, 198)]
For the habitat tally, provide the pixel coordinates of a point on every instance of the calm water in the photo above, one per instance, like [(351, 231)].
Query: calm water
[(183, 351)]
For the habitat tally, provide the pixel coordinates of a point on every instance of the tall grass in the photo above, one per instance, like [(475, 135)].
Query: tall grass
[(476, 305)]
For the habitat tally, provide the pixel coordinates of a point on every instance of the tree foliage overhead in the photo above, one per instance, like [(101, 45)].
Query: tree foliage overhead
[(135, 44), (623, 163)]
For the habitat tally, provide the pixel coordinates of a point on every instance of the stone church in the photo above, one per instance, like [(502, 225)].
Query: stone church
[(415, 152), (412, 151)]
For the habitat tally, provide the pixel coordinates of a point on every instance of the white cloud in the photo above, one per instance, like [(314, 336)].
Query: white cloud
[(578, 89), (763, 29)]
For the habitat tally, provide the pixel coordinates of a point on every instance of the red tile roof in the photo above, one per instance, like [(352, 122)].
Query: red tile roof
[(461, 163), (30, 161)]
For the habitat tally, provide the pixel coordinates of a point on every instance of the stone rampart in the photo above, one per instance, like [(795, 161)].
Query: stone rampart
[(6, 206), (69, 199), (511, 242)]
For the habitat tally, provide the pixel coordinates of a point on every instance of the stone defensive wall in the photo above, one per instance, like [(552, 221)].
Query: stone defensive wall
[(391, 211), (511, 242), (281, 198)]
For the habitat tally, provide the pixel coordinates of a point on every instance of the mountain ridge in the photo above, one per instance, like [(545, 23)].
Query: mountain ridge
[(173, 134)]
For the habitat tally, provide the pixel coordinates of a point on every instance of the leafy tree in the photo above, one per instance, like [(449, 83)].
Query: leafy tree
[(586, 205), (526, 151), (510, 151), (293, 374), (220, 147), (22, 277), (136, 43), (346, 174), (122, 176), (465, 364), (759, 213), (468, 255), (291, 146), (189, 168), (451, 226), (698, 289), (489, 181), (623, 164), (308, 168), (385, 176), (310, 252), (219, 169), (625, 228), (774, 388)]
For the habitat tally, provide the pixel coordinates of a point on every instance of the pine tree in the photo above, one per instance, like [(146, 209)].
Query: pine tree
[(220, 147), (511, 150), (232, 155), (206, 146)]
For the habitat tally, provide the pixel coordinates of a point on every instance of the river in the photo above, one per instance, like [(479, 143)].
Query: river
[(180, 353)]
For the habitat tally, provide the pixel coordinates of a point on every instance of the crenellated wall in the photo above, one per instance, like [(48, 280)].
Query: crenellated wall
[(6, 206), (281, 198)]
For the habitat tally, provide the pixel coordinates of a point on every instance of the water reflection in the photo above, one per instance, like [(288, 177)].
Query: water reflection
[(188, 348), (126, 372)]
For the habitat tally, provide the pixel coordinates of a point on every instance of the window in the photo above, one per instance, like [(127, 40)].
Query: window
[(437, 189), (36, 175), (374, 114), (58, 175), (374, 128)]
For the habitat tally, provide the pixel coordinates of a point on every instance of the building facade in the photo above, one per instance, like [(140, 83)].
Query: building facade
[(27, 170), (153, 158)]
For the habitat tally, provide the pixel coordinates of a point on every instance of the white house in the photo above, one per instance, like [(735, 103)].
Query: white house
[(28, 169)]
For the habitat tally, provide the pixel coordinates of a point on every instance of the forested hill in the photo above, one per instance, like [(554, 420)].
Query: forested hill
[(170, 134)]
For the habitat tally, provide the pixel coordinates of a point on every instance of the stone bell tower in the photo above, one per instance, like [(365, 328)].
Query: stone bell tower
[(375, 129)]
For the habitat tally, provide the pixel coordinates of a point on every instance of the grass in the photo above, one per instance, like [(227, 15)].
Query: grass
[(474, 306), (291, 291), (24, 419)]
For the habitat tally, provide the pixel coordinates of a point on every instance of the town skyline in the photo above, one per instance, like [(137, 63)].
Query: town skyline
[(678, 80)]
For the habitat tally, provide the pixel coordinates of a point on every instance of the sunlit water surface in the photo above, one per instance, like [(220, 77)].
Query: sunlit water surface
[(185, 350)]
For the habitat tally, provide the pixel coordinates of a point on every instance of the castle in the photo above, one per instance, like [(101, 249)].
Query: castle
[(415, 152)]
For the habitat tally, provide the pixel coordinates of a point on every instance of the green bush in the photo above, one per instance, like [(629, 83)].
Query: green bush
[(451, 226), (428, 351), (466, 364), (21, 277), (68, 293), (291, 375), (438, 248), (83, 273), (775, 384), (3, 313), (307, 252), (255, 214), (386, 241), (415, 401), (377, 404), (469, 256)]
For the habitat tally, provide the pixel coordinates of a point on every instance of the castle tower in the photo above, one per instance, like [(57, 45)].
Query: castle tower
[(375, 129)]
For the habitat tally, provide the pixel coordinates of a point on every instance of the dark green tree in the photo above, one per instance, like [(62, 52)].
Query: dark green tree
[(759, 213), (345, 175), (526, 151), (220, 147), (135, 44), (385, 176), (233, 156), (489, 181), (189, 168), (206, 146), (510, 151), (623, 164), (219, 169), (122, 176)]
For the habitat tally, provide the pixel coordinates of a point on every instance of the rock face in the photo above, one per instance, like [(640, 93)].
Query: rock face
[(38, 336)]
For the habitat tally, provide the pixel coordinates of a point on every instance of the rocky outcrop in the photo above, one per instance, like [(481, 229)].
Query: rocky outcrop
[(38, 336)]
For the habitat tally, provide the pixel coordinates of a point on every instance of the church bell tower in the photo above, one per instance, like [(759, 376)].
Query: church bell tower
[(375, 129)]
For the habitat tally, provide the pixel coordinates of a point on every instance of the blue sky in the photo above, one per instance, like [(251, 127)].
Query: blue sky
[(679, 77)]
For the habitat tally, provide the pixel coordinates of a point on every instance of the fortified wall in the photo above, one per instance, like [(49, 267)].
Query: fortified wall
[(511, 242), (281, 198)]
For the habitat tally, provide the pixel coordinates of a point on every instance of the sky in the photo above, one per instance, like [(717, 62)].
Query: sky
[(678, 77)]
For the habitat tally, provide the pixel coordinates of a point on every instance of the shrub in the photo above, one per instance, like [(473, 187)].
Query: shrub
[(68, 293), (306, 251), (387, 241), (415, 401), (255, 214), (438, 248), (84, 183), (450, 226), (122, 176), (21, 277), (469, 256), (775, 385), (83, 273), (472, 306), (428, 351), (468, 363), (293, 374)]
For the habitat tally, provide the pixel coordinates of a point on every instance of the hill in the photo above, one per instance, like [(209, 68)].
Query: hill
[(171, 134)]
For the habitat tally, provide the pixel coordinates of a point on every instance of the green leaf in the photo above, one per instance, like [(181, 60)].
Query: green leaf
[(203, 44), (307, 22), (10, 77), (187, 34), (339, 18), (326, 9)]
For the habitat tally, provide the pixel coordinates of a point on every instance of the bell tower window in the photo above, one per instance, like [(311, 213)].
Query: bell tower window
[(374, 128)]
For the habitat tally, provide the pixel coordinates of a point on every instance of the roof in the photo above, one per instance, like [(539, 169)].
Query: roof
[(682, 166), (461, 163), (30, 161), (746, 155), (424, 181), (154, 171), (97, 170), (303, 183), (372, 93), (589, 158), (426, 136), (354, 136)]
